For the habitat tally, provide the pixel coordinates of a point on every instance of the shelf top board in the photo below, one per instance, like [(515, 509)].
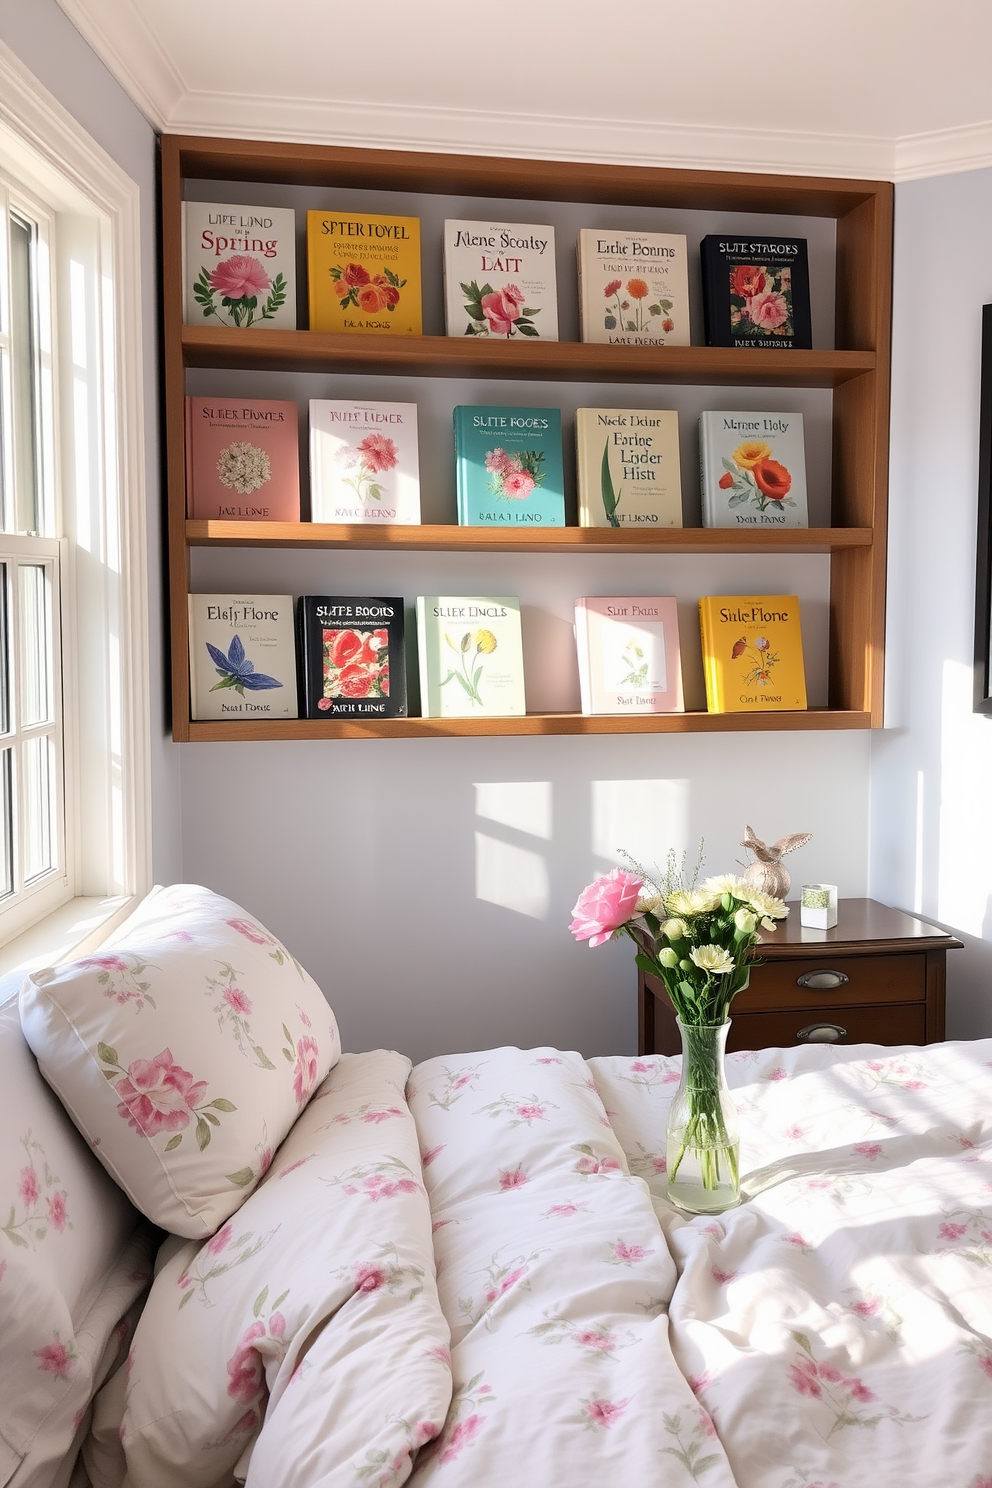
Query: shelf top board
[(232, 534), (537, 180), (460, 356)]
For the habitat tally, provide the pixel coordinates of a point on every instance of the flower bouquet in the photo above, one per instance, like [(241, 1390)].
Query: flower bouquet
[(698, 942)]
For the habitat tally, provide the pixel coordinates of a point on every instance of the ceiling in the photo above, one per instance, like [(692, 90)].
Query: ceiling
[(891, 88)]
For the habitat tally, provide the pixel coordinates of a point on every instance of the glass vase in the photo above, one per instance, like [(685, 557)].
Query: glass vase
[(703, 1135)]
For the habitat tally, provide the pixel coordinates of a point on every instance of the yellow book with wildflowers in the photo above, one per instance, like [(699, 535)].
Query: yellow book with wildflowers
[(363, 272), (752, 653)]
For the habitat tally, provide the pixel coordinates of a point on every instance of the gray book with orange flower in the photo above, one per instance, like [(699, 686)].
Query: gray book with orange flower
[(500, 281), (239, 266), (471, 657), (633, 287), (364, 462), (753, 469)]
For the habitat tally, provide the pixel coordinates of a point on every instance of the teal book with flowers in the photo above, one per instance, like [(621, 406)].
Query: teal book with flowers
[(242, 656), (508, 467), (471, 657)]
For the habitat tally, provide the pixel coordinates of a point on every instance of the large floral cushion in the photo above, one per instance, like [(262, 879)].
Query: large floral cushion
[(184, 1052), (315, 1307), (72, 1262)]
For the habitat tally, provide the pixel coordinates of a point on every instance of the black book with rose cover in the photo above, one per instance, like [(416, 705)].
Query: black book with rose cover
[(351, 658), (755, 291)]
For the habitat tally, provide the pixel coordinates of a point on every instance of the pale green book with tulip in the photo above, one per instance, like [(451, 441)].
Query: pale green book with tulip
[(471, 657)]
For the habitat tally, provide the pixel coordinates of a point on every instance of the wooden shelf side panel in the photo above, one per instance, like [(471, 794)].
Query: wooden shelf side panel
[(174, 392)]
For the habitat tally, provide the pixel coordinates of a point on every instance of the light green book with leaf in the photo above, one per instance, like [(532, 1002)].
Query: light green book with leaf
[(471, 657), (627, 463)]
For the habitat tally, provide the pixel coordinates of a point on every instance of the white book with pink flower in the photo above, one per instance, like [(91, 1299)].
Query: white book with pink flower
[(239, 266), (633, 287), (500, 281), (364, 462)]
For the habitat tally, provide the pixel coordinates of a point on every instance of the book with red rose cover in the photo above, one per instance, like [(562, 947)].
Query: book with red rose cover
[(364, 462), (755, 291), (351, 657), (499, 280), (363, 271), (753, 469), (633, 287), (239, 266), (752, 653), (242, 459), (242, 656)]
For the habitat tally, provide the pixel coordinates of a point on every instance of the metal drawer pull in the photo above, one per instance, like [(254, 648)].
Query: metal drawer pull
[(821, 1033), (821, 981)]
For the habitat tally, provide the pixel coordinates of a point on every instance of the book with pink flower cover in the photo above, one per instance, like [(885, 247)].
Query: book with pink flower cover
[(628, 652), (242, 459), (239, 266), (364, 462), (508, 467), (350, 656), (363, 273), (500, 280), (633, 287), (755, 291)]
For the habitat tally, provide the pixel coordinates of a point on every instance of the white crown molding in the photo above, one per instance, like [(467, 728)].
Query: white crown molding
[(943, 152), (132, 52)]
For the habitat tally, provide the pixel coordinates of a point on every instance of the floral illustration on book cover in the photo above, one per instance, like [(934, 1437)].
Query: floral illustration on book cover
[(627, 308), (356, 665), (758, 659), (498, 312), (372, 458), (514, 477), (752, 475), (243, 467), (761, 300), (372, 293), (470, 648), (242, 282)]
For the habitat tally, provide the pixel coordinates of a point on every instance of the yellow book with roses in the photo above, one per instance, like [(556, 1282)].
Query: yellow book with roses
[(363, 272), (752, 653)]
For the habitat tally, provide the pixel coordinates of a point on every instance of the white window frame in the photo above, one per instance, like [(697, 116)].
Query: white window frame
[(100, 481)]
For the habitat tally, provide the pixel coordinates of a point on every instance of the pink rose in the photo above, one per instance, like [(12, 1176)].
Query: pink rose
[(56, 1358), (860, 1391), (498, 462), (606, 904), (56, 1211), (628, 1254), (378, 453), (244, 1367), (605, 1413), (518, 485), (590, 1339), (369, 1278), (512, 1178), (105, 963), (27, 1187), (158, 1094), (867, 1307), (221, 1240), (239, 278), (464, 1432), (768, 310), (305, 1068), (237, 1000), (870, 1150), (530, 1112), (501, 309), (802, 1378), (952, 1231), (431, 1153), (250, 931)]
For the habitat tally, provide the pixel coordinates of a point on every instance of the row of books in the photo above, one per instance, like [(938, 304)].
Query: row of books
[(364, 273), (242, 460), (344, 657)]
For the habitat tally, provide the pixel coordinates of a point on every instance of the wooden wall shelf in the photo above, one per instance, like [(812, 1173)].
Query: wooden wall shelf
[(857, 373)]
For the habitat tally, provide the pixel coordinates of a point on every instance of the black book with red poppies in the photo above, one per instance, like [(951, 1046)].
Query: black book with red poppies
[(755, 291), (351, 658)]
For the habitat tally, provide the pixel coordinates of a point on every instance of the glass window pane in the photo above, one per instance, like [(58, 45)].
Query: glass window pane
[(35, 644), (6, 515), (24, 374), (5, 658), (36, 796), (6, 824)]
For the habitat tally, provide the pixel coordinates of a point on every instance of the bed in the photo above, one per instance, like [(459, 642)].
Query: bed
[(469, 1272)]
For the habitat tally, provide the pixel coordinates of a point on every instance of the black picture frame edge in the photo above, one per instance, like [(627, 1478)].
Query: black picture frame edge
[(983, 572)]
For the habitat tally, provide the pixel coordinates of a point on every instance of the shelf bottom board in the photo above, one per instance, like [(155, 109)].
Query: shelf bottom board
[(224, 731)]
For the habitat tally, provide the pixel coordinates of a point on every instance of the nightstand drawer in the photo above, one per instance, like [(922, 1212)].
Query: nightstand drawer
[(899, 1023), (806, 983)]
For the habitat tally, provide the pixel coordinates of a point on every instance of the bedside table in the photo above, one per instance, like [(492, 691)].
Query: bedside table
[(878, 977)]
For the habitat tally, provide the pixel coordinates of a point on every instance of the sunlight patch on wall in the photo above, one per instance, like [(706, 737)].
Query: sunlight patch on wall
[(644, 817), (512, 877), (964, 882), (522, 804)]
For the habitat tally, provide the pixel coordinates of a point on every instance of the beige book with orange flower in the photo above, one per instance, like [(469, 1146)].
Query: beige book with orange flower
[(363, 273), (753, 469), (752, 653), (633, 287), (239, 266), (364, 462)]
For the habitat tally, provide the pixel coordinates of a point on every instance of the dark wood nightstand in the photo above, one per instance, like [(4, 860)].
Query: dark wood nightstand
[(877, 978)]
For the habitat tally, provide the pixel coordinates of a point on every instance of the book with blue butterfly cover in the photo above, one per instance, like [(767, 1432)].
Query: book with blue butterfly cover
[(242, 656)]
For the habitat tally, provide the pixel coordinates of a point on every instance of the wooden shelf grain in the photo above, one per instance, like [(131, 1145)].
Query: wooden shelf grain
[(227, 534), (564, 361), (531, 724)]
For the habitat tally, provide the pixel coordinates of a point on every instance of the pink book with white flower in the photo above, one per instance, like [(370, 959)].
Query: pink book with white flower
[(364, 462), (243, 459), (239, 266), (499, 280)]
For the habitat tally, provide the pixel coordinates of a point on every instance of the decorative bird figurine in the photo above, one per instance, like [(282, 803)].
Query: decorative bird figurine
[(768, 873)]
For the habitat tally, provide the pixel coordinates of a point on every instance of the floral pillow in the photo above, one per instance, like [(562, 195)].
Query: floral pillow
[(184, 1052)]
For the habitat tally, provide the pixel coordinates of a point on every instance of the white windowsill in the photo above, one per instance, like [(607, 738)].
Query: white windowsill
[(76, 927)]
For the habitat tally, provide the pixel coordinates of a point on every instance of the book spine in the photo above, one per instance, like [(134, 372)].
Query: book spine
[(710, 263), (584, 659), (188, 472), (705, 497), (427, 698), (304, 704), (711, 671)]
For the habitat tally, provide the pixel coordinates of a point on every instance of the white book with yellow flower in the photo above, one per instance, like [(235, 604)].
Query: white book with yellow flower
[(471, 657), (633, 287), (753, 469)]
